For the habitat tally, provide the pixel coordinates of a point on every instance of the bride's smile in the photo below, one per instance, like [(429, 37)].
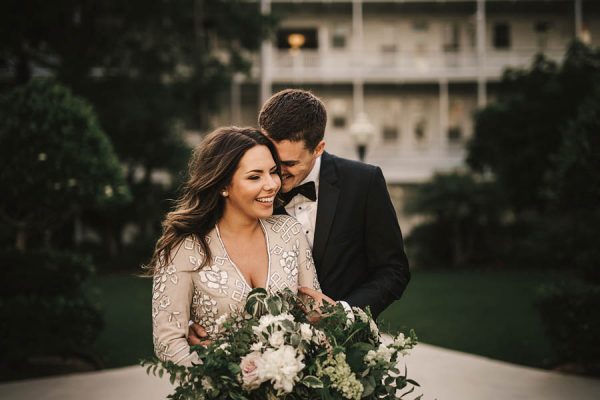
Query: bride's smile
[(253, 187)]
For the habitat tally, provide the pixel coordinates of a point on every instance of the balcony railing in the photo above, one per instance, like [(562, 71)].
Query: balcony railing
[(315, 66)]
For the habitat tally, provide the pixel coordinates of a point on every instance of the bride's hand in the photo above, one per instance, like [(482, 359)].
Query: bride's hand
[(197, 335), (317, 296)]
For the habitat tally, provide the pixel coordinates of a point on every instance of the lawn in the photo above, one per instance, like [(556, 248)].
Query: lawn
[(486, 313)]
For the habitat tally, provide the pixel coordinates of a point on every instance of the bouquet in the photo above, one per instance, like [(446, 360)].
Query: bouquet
[(279, 346)]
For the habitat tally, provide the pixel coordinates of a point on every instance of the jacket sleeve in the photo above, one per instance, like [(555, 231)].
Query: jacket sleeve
[(172, 293), (388, 272)]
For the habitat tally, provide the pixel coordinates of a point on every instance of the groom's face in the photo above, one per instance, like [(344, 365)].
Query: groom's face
[(296, 162)]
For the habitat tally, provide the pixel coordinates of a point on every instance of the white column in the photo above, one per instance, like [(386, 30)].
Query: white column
[(481, 46), (266, 59), (578, 19), (357, 33), (444, 111)]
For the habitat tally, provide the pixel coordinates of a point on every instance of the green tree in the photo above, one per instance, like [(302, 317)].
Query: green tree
[(150, 68), (518, 136), (463, 217), (55, 160)]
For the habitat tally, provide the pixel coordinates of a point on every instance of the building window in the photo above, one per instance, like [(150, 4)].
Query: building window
[(451, 37), (305, 38), (541, 29), (420, 26), (455, 135), (420, 130), (390, 134), (501, 35), (339, 121), (338, 38)]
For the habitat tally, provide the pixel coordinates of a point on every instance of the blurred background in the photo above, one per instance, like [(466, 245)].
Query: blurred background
[(484, 116)]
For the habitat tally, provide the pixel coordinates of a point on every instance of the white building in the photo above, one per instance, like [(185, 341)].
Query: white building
[(418, 69)]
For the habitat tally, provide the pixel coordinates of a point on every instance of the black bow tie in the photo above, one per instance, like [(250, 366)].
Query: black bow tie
[(307, 190)]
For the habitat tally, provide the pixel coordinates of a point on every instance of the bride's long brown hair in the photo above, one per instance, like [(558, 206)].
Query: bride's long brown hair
[(201, 204)]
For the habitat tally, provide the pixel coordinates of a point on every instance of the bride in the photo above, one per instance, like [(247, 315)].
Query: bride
[(222, 240)]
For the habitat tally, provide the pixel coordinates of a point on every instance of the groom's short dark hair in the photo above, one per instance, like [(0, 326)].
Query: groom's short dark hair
[(294, 115)]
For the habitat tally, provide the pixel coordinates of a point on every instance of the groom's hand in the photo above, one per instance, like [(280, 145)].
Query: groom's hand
[(197, 335)]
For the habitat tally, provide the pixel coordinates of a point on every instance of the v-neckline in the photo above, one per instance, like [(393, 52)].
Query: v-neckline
[(239, 272)]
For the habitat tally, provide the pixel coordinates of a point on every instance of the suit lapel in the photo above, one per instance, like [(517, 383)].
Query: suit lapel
[(328, 198)]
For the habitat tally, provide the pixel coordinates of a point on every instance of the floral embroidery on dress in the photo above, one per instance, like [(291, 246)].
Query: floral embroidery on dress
[(214, 278), (289, 260), (204, 310)]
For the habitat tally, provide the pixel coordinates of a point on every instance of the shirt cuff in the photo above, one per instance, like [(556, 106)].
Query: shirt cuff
[(348, 309)]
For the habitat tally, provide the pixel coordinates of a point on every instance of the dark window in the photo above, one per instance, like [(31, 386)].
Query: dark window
[(501, 36), (338, 41), (541, 27), (339, 121), (390, 134), (420, 130), (454, 134), (310, 38)]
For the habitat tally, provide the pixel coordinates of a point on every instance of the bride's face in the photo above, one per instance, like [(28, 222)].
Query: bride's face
[(254, 185)]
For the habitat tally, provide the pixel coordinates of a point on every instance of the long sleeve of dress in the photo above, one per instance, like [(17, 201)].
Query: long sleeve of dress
[(172, 295), (307, 273)]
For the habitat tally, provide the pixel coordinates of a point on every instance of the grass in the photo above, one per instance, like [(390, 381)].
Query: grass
[(485, 313), (125, 302)]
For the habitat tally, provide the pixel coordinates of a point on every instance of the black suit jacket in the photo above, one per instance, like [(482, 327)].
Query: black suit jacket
[(358, 248)]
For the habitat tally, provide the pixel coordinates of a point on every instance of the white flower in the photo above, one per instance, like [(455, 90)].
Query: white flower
[(257, 346), (267, 320), (250, 378), (42, 157), (277, 339), (306, 332), (282, 367), (374, 328), (207, 384), (225, 347), (383, 354)]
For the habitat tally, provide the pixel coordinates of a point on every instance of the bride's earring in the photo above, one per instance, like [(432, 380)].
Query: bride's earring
[(225, 193)]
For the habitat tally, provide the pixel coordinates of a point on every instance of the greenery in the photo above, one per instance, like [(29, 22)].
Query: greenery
[(278, 346), (55, 160), (538, 145), (45, 312), (490, 313), (571, 319), (464, 221), (519, 135), (55, 163), (151, 69)]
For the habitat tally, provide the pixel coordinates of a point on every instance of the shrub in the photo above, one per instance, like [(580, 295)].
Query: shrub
[(43, 309), (571, 319)]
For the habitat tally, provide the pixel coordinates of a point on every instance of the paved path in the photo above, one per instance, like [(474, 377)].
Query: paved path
[(443, 375)]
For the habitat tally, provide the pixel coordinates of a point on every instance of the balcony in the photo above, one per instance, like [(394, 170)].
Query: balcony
[(312, 66)]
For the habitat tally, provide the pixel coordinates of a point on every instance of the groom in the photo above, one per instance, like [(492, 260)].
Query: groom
[(343, 206)]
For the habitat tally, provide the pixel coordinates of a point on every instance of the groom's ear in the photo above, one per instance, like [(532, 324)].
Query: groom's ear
[(319, 149)]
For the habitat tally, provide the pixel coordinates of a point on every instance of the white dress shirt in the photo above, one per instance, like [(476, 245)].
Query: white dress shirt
[(305, 210)]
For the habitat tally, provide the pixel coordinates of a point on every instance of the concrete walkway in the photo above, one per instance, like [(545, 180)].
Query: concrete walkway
[(443, 375)]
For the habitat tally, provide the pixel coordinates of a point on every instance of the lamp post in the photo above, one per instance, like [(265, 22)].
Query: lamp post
[(362, 131)]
